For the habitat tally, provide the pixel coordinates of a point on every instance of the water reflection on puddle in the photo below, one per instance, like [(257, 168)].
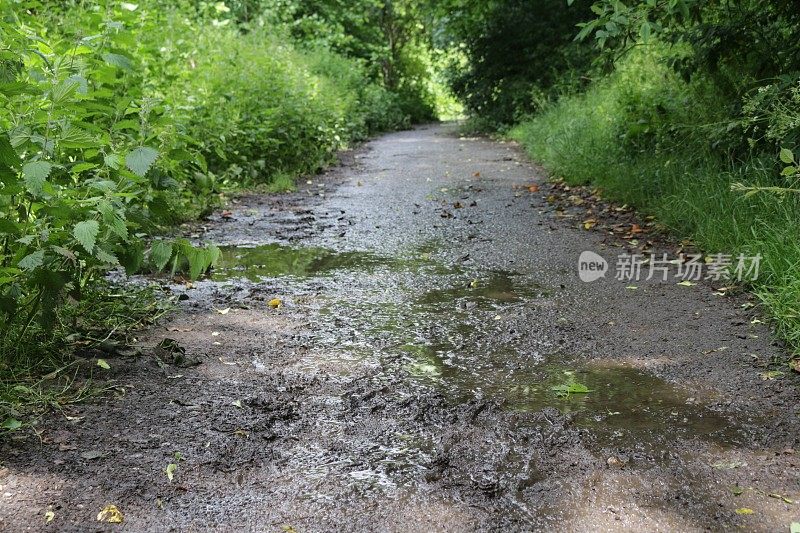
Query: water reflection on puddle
[(623, 401), (278, 260)]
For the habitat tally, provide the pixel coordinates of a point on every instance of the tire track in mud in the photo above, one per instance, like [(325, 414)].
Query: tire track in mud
[(429, 306)]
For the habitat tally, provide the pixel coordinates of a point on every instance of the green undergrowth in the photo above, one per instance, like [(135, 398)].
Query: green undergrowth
[(649, 139), (55, 367)]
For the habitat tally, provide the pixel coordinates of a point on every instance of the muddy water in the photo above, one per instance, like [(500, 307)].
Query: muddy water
[(452, 336)]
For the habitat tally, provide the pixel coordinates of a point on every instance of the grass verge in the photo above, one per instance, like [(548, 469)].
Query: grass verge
[(641, 136)]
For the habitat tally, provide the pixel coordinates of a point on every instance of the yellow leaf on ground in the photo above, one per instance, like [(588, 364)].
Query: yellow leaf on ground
[(275, 303), (744, 510), (110, 514), (687, 283), (170, 471), (49, 516), (102, 364)]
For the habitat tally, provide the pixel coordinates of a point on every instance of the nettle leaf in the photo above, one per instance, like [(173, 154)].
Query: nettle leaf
[(113, 161), (141, 159), (82, 167), (77, 138), (8, 156), (8, 227), (86, 233), (118, 60), (65, 252), (160, 254), (32, 261), (106, 257), (64, 90), (36, 175)]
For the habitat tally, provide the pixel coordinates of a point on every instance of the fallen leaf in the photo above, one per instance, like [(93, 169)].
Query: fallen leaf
[(49, 516), (576, 200), (275, 303), (780, 497), (477, 174), (744, 510), (170, 471), (794, 364), (11, 424), (686, 283), (227, 214), (636, 229), (224, 311), (533, 188), (237, 403), (215, 333), (110, 514), (632, 287), (589, 223), (771, 375), (103, 364)]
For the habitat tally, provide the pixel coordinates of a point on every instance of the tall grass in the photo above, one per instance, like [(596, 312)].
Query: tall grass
[(642, 136)]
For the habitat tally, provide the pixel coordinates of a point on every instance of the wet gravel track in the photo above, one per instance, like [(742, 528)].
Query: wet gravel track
[(430, 303)]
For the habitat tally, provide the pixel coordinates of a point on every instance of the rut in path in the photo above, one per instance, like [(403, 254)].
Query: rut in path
[(430, 306)]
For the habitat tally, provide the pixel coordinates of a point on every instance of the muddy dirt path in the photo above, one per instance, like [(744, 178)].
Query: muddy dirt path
[(430, 303)]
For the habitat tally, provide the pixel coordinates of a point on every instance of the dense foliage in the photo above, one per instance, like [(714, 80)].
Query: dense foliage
[(517, 53), (120, 119)]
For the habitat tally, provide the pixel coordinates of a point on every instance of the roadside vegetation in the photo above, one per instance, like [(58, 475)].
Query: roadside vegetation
[(687, 110)]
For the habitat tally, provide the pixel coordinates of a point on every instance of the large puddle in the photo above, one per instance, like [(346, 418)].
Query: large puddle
[(621, 402), (451, 330)]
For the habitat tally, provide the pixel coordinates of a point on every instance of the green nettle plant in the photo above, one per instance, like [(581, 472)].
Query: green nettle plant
[(89, 163)]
